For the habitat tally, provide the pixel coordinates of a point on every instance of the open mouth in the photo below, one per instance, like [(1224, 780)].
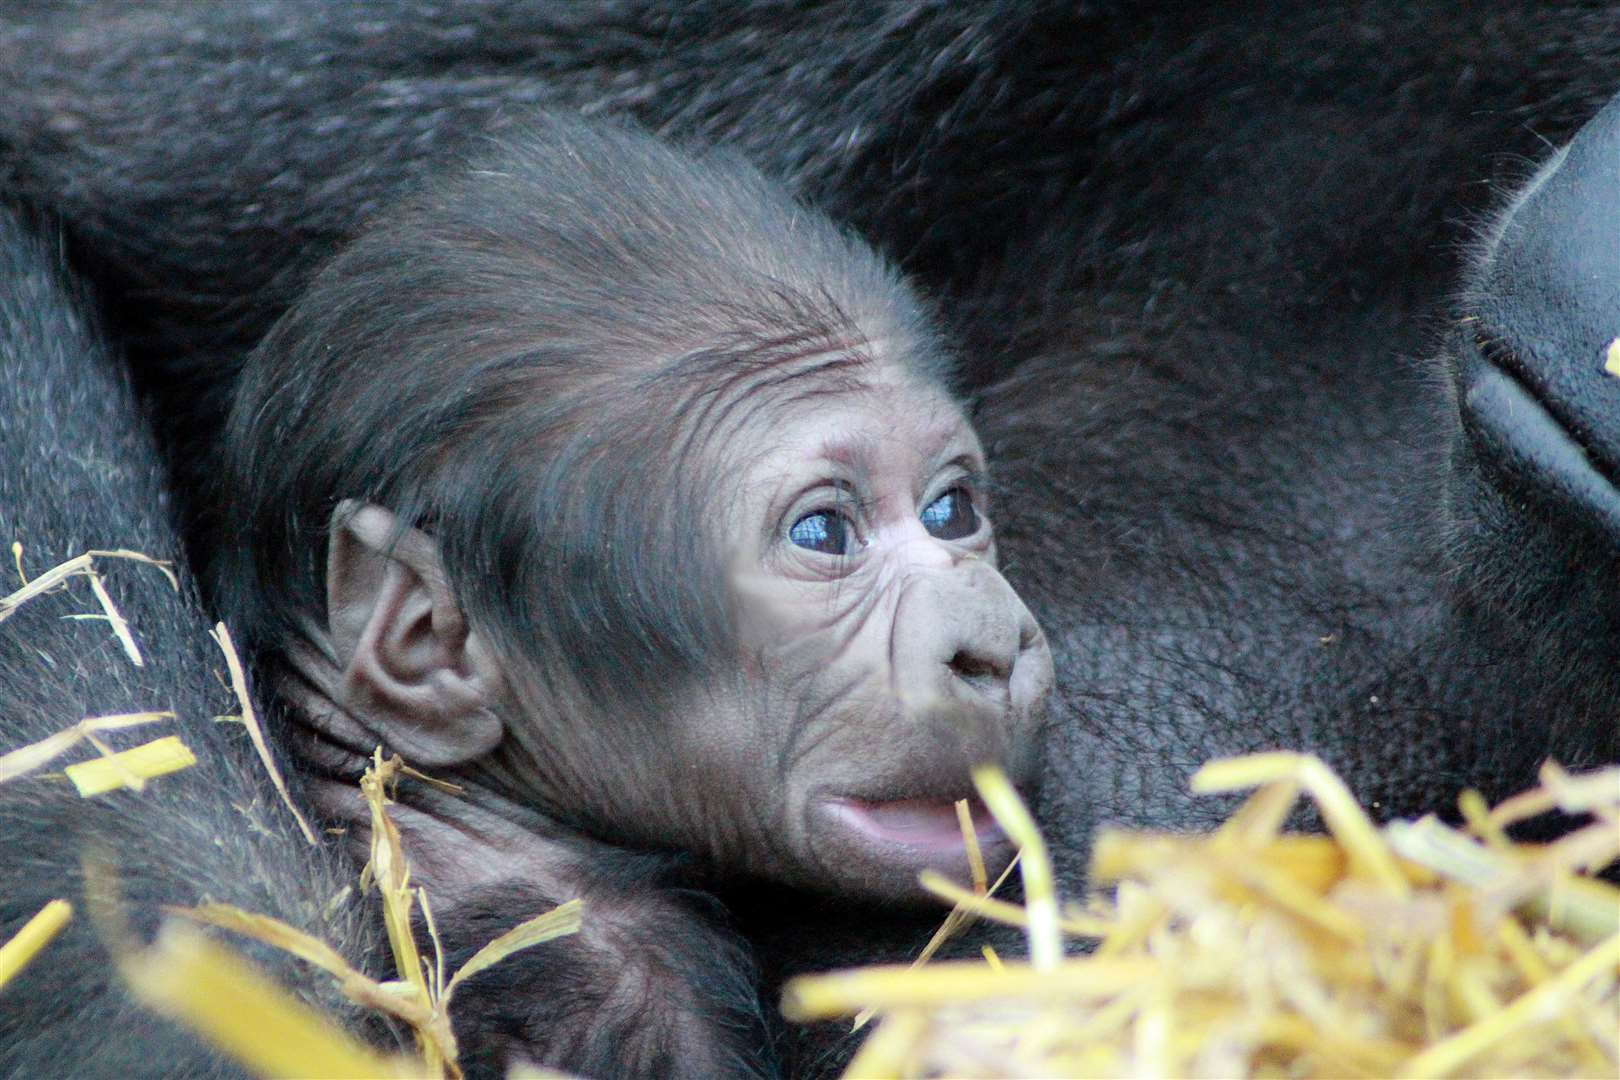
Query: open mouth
[(924, 825), (1521, 440)]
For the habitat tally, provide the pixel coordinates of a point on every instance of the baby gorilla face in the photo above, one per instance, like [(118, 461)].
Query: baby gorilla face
[(882, 653)]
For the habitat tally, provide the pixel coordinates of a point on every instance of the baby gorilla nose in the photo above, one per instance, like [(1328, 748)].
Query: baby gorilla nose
[(979, 651), (986, 672), (968, 648)]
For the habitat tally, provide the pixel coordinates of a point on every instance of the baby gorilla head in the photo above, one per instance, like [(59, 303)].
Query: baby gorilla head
[(629, 492)]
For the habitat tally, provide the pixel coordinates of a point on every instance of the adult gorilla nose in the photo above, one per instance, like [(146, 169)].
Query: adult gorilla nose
[(1538, 401)]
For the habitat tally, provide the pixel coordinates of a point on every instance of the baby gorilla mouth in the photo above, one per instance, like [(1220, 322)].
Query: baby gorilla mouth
[(928, 826)]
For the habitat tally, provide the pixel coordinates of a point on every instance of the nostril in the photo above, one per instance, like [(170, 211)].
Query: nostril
[(1028, 635), (976, 669)]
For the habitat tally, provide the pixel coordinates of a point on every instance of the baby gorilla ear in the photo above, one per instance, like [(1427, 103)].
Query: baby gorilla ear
[(414, 673)]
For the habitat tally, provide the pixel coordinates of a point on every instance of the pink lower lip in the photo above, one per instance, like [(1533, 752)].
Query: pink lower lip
[(919, 823)]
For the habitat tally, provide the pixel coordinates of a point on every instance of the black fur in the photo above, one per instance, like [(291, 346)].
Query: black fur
[(670, 992), (1203, 253), (79, 471), (203, 226)]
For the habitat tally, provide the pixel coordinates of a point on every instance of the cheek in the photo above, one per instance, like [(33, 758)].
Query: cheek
[(730, 792), (799, 639)]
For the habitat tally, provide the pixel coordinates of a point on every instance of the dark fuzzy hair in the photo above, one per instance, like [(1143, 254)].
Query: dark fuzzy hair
[(527, 360)]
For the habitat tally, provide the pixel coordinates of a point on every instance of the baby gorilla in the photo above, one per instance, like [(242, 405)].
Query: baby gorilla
[(628, 493)]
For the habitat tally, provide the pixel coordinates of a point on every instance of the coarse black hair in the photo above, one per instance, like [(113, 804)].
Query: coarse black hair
[(80, 472)]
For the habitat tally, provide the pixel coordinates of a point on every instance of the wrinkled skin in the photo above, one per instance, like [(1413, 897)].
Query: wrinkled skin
[(1214, 265), (873, 678), (863, 690), (870, 680)]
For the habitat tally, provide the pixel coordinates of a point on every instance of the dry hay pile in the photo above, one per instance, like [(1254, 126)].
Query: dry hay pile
[(1413, 950), (1416, 950)]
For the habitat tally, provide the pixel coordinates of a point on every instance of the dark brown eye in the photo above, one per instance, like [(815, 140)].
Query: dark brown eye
[(951, 516), (826, 531)]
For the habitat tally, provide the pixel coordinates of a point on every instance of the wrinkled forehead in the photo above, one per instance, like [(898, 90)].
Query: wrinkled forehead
[(744, 426), (875, 428), (846, 405)]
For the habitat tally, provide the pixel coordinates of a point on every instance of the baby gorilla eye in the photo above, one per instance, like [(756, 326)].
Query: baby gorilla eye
[(951, 516), (826, 531)]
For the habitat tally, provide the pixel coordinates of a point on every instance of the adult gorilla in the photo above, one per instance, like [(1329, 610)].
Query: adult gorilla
[(1269, 476), (80, 472)]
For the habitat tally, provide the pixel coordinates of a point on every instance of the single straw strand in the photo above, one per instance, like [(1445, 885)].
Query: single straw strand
[(35, 934), (1040, 890), (250, 720)]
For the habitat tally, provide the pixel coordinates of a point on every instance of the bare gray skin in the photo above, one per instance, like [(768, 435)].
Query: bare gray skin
[(869, 684)]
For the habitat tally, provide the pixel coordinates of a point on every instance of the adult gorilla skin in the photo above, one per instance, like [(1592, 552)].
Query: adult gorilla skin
[(1245, 289)]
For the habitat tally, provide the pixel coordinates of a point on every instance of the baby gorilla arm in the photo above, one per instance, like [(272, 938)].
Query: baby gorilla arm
[(652, 986)]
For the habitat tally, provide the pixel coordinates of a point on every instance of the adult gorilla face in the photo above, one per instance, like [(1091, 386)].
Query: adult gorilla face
[(1532, 490)]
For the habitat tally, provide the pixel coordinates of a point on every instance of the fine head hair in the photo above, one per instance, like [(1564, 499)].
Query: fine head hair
[(535, 360)]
